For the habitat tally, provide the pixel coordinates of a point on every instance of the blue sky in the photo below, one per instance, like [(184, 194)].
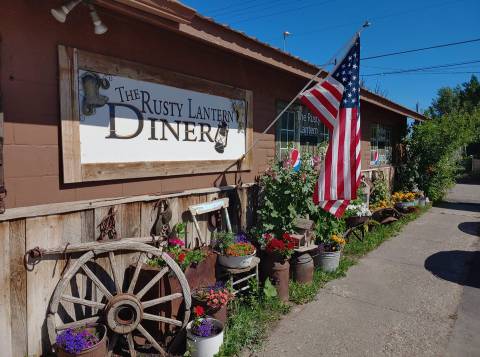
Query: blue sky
[(320, 27)]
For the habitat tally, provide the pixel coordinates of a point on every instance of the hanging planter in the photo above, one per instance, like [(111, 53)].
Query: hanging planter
[(85, 341)]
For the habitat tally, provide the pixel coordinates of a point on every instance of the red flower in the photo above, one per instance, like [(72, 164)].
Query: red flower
[(198, 311), (181, 257)]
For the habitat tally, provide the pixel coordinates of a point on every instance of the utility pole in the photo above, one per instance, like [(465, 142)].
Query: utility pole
[(285, 35)]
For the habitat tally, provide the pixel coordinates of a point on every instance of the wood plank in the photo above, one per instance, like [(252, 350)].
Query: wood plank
[(130, 170), (46, 232), (70, 120), (18, 288), (66, 207), (148, 216), (5, 303), (131, 220)]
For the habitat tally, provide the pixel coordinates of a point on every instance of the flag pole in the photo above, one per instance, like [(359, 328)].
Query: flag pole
[(347, 44)]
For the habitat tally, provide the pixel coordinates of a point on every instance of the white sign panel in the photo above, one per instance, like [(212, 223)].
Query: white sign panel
[(126, 120)]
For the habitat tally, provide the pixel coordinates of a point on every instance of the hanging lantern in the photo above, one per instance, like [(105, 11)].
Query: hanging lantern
[(221, 137)]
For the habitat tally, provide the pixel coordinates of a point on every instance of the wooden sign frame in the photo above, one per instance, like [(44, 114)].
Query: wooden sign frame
[(72, 59)]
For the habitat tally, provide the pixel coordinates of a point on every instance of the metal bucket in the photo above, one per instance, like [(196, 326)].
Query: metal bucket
[(204, 346), (329, 261)]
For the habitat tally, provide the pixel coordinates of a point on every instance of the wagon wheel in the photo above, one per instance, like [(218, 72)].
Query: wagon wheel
[(121, 311)]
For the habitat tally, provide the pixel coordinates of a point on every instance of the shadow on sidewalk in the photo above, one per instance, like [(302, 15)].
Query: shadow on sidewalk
[(459, 206), (457, 266), (472, 228)]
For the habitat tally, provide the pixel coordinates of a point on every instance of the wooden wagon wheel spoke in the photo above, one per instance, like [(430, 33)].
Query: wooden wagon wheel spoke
[(122, 313), (112, 343), (79, 323), (113, 265), (161, 300), (151, 283), (97, 282), (131, 345), (150, 339), (162, 319), (136, 273), (84, 302)]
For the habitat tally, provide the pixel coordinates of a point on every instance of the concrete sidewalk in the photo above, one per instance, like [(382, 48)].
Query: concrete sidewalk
[(416, 295)]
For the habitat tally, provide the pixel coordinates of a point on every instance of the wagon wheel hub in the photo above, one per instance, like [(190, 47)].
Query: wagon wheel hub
[(123, 313)]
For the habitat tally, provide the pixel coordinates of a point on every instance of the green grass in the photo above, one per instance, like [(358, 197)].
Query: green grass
[(252, 317)]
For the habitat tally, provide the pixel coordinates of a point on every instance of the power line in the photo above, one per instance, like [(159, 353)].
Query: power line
[(420, 68), (258, 6), (280, 12), (421, 49)]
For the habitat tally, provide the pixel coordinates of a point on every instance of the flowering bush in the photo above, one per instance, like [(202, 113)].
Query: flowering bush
[(283, 246), (77, 340), (215, 296), (335, 243), (202, 326)]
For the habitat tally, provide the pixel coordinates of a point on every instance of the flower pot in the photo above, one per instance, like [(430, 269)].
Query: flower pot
[(219, 314), (99, 350), (303, 268), (328, 261), (205, 346), (230, 261), (406, 205), (422, 202)]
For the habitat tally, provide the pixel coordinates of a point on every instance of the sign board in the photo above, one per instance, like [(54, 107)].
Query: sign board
[(126, 120)]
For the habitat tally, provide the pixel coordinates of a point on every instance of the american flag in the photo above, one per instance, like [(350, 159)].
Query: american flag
[(335, 101)]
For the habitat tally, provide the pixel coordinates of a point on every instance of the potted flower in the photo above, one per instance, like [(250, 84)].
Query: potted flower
[(87, 341), (405, 200), (329, 255), (235, 251), (214, 299), (204, 334), (356, 214), (279, 251)]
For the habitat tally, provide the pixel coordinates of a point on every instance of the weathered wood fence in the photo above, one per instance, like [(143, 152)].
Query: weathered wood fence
[(25, 295)]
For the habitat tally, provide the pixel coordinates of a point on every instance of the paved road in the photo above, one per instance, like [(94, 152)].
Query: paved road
[(418, 294)]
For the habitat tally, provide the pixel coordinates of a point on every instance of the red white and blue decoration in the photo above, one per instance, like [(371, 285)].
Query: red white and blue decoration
[(335, 101), (295, 160)]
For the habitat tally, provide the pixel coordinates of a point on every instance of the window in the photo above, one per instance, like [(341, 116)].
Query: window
[(299, 128), (380, 146)]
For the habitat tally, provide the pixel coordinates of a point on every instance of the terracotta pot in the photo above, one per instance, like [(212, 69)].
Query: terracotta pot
[(303, 268), (218, 314), (99, 350)]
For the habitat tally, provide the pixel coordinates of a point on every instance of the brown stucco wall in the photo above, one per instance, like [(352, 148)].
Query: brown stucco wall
[(29, 82)]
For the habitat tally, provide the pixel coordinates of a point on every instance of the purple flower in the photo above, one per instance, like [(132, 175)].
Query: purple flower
[(76, 340), (241, 238), (204, 328)]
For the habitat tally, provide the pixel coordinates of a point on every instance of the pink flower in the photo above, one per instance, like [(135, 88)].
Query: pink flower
[(176, 241)]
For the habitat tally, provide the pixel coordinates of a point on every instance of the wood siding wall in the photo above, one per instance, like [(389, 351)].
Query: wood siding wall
[(25, 295)]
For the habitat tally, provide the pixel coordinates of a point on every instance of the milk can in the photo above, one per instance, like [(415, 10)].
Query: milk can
[(303, 268)]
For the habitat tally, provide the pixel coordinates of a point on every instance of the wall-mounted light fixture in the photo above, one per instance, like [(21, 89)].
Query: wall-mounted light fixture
[(60, 14)]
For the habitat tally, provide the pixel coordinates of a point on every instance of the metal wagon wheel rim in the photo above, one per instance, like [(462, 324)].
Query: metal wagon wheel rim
[(128, 302)]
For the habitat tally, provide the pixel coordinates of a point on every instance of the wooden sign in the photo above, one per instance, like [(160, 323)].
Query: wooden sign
[(127, 120)]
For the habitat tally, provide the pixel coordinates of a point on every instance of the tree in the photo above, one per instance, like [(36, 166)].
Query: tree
[(434, 147)]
